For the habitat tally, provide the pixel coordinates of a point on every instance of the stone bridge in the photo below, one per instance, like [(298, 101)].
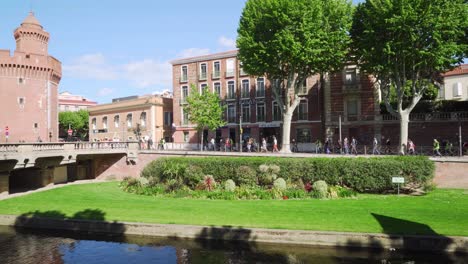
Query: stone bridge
[(30, 165)]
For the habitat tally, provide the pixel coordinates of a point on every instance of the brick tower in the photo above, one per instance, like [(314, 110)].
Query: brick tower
[(29, 86)]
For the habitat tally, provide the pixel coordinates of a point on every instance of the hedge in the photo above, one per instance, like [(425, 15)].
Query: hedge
[(361, 174)]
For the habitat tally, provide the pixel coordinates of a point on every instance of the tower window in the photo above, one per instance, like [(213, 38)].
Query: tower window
[(28, 56), (20, 80)]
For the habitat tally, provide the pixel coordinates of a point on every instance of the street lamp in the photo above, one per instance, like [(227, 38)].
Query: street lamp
[(240, 132)]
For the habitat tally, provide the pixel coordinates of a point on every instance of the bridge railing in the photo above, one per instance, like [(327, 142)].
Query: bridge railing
[(19, 148)]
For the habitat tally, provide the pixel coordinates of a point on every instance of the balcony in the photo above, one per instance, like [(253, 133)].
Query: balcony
[(202, 76), (183, 79), (216, 75), (428, 117), (230, 74)]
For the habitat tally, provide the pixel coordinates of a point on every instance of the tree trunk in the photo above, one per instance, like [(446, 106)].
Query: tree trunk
[(404, 121), (201, 143), (287, 118)]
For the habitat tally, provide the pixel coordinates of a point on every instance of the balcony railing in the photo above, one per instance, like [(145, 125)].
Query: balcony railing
[(183, 79), (426, 117), (230, 74), (216, 75), (202, 76), (231, 96)]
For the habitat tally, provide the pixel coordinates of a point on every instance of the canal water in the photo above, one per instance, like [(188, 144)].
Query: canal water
[(56, 247)]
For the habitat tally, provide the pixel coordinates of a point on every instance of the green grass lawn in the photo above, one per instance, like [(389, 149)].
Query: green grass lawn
[(443, 212)]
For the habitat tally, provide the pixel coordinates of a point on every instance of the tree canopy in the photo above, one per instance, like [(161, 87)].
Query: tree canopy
[(406, 45), (289, 41), (78, 121), (204, 109)]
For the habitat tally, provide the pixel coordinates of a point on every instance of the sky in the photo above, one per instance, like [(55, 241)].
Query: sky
[(111, 49)]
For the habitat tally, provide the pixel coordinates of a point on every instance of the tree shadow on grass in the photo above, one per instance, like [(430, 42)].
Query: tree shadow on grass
[(88, 220)]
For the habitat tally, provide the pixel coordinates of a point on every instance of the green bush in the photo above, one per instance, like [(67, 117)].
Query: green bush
[(359, 174), (279, 184), (229, 185), (320, 189)]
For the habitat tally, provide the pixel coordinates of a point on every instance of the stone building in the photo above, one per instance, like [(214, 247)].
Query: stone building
[(151, 115), (29, 81), (72, 102), (455, 84)]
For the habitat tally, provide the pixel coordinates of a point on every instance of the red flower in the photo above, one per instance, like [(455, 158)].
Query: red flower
[(285, 197)]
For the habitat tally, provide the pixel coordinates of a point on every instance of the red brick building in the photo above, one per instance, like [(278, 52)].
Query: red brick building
[(29, 85)]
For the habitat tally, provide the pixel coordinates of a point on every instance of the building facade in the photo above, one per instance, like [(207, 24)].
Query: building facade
[(29, 81), (455, 85), (71, 102), (248, 100), (120, 120)]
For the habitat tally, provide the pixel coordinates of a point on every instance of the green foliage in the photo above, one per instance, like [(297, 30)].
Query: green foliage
[(268, 174), (230, 185), (204, 109), (78, 121), (320, 189), (246, 175), (407, 44), (359, 174), (289, 41), (279, 184)]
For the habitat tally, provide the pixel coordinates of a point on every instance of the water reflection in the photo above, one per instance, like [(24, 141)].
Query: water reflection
[(28, 246)]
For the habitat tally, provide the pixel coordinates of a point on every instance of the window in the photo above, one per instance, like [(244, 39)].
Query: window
[(350, 76), (230, 68), (457, 89), (245, 89), (93, 123), (167, 118), (203, 71), (186, 136), (246, 113), (303, 89), (67, 108), (261, 112), (104, 122), (116, 121), (261, 87), (276, 112), (303, 135), (143, 119), (184, 73), (352, 108), (185, 117), (21, 102), (231, 113), (302, 110), (184, 94), (217, 88), (21, 80), (231, 90), (129, 120), (216, 69), (36, 125), (202, 87), (241, 71)]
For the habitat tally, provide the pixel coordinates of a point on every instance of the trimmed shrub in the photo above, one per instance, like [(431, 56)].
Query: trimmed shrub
[(230, 185), (320, 189), (359, 174), (279, 184)]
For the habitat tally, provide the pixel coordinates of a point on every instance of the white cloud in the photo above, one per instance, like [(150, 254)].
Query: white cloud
[(149, 72), (227, 42), (105, 92), (90, 66), (193, 52)]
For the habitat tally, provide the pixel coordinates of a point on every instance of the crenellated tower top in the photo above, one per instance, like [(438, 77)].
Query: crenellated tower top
[(31, 37)]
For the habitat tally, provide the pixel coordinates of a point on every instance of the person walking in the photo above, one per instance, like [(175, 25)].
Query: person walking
[(387, 146), (227, 145), (411, 147), (375, 147), (354, 146), (275, 144), (264, 146), (436, 148), (249, 145), (346, 145), (318, 146), (294, 146)]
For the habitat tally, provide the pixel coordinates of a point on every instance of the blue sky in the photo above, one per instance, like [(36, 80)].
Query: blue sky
[(112, 48)]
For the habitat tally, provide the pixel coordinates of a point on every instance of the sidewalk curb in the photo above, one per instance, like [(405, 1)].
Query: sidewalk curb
[(251, 235)]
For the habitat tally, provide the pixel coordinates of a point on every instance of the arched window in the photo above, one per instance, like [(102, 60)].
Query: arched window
[(116, 121), (129, 120), (104, 122), (143, 119)]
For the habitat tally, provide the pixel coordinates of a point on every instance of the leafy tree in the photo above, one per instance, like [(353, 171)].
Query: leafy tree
[(406, 45), (78, 121), (204, 109), (289, 41)]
